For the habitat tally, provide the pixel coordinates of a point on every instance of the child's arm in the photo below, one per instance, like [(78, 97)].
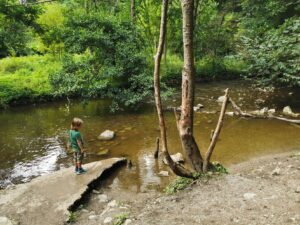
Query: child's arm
[(80, 144)]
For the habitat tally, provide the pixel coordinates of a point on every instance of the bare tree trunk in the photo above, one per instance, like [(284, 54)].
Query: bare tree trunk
[(132, 10), (177, 169), (216, 133), (185, 123)]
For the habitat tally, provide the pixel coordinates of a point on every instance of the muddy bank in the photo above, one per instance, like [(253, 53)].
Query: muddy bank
[(260, 191)]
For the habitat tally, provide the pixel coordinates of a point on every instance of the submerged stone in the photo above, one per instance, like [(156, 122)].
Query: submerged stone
[(103, 152), (163, 173), (177, 158), (106, 135)]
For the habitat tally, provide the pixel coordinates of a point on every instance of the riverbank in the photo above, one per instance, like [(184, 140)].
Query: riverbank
[(260, 191)]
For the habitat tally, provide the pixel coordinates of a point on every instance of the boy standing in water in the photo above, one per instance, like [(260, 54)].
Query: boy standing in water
[(76, 143)]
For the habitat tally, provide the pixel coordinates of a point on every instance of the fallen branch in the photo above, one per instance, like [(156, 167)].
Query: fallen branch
[(239, 112), (284, 119), (216, 133)]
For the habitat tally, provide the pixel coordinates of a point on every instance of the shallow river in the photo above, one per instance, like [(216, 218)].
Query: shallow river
[(33, 138)]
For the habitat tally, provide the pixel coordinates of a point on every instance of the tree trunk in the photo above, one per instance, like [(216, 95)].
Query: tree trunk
[(176, 168), (132, 10), (185, 123)]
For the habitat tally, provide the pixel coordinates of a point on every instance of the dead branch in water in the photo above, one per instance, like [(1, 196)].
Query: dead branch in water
[(239, 112)]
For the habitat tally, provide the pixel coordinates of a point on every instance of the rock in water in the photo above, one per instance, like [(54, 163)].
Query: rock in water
[(107, 135), (103, 152), (163, 173), (221, 99), (177, 158), (198, 107), (288, 112), (271, 111)]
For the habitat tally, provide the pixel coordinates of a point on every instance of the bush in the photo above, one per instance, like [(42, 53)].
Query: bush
[(274, 59), (25, 79), (208, 68), (111, 63)]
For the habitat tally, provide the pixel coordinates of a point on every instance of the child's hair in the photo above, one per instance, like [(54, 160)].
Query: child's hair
[(76, 122)]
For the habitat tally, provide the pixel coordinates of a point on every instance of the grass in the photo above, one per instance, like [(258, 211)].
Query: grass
[(181, 183), (121, 218), (26, 78), (72, 217)]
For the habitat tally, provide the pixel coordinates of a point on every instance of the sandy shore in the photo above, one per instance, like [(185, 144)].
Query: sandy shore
[(260, 191)]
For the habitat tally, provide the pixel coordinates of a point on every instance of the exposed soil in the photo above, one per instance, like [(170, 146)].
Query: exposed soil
[(260, 191)]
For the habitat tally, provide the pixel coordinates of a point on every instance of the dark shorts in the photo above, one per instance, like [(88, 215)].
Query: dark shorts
[(77, 156)]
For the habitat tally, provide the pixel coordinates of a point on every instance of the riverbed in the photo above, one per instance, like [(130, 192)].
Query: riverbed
[(33, 138)]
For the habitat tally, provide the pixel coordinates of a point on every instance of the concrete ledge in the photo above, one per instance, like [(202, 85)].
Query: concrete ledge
[(46, 199)]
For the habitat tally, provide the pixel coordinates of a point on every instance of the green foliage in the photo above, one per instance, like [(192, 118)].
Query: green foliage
[(25, 79), (218, 168), (121, 218), (111, 65), (51, 22), (180, 183), (72, 217), (16, 23), (275, 57)]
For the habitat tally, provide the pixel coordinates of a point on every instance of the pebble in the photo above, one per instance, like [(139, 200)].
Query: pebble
[(92, 217), (127, 222), (249, 195), (163, 173), (112, 204), (107, 220), (96, 192), (5, 221), (276, 171), (102, 198)]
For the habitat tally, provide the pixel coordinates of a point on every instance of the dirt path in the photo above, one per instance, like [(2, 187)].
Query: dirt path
[(260, 191)]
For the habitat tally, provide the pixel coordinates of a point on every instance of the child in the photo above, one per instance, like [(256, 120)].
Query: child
[(76, 144)]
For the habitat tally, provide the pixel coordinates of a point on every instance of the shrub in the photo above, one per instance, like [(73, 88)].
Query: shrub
[(25, 79), (274, 58), (111, 65)]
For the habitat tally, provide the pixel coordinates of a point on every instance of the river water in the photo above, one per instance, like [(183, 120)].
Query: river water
[(33, 138)]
